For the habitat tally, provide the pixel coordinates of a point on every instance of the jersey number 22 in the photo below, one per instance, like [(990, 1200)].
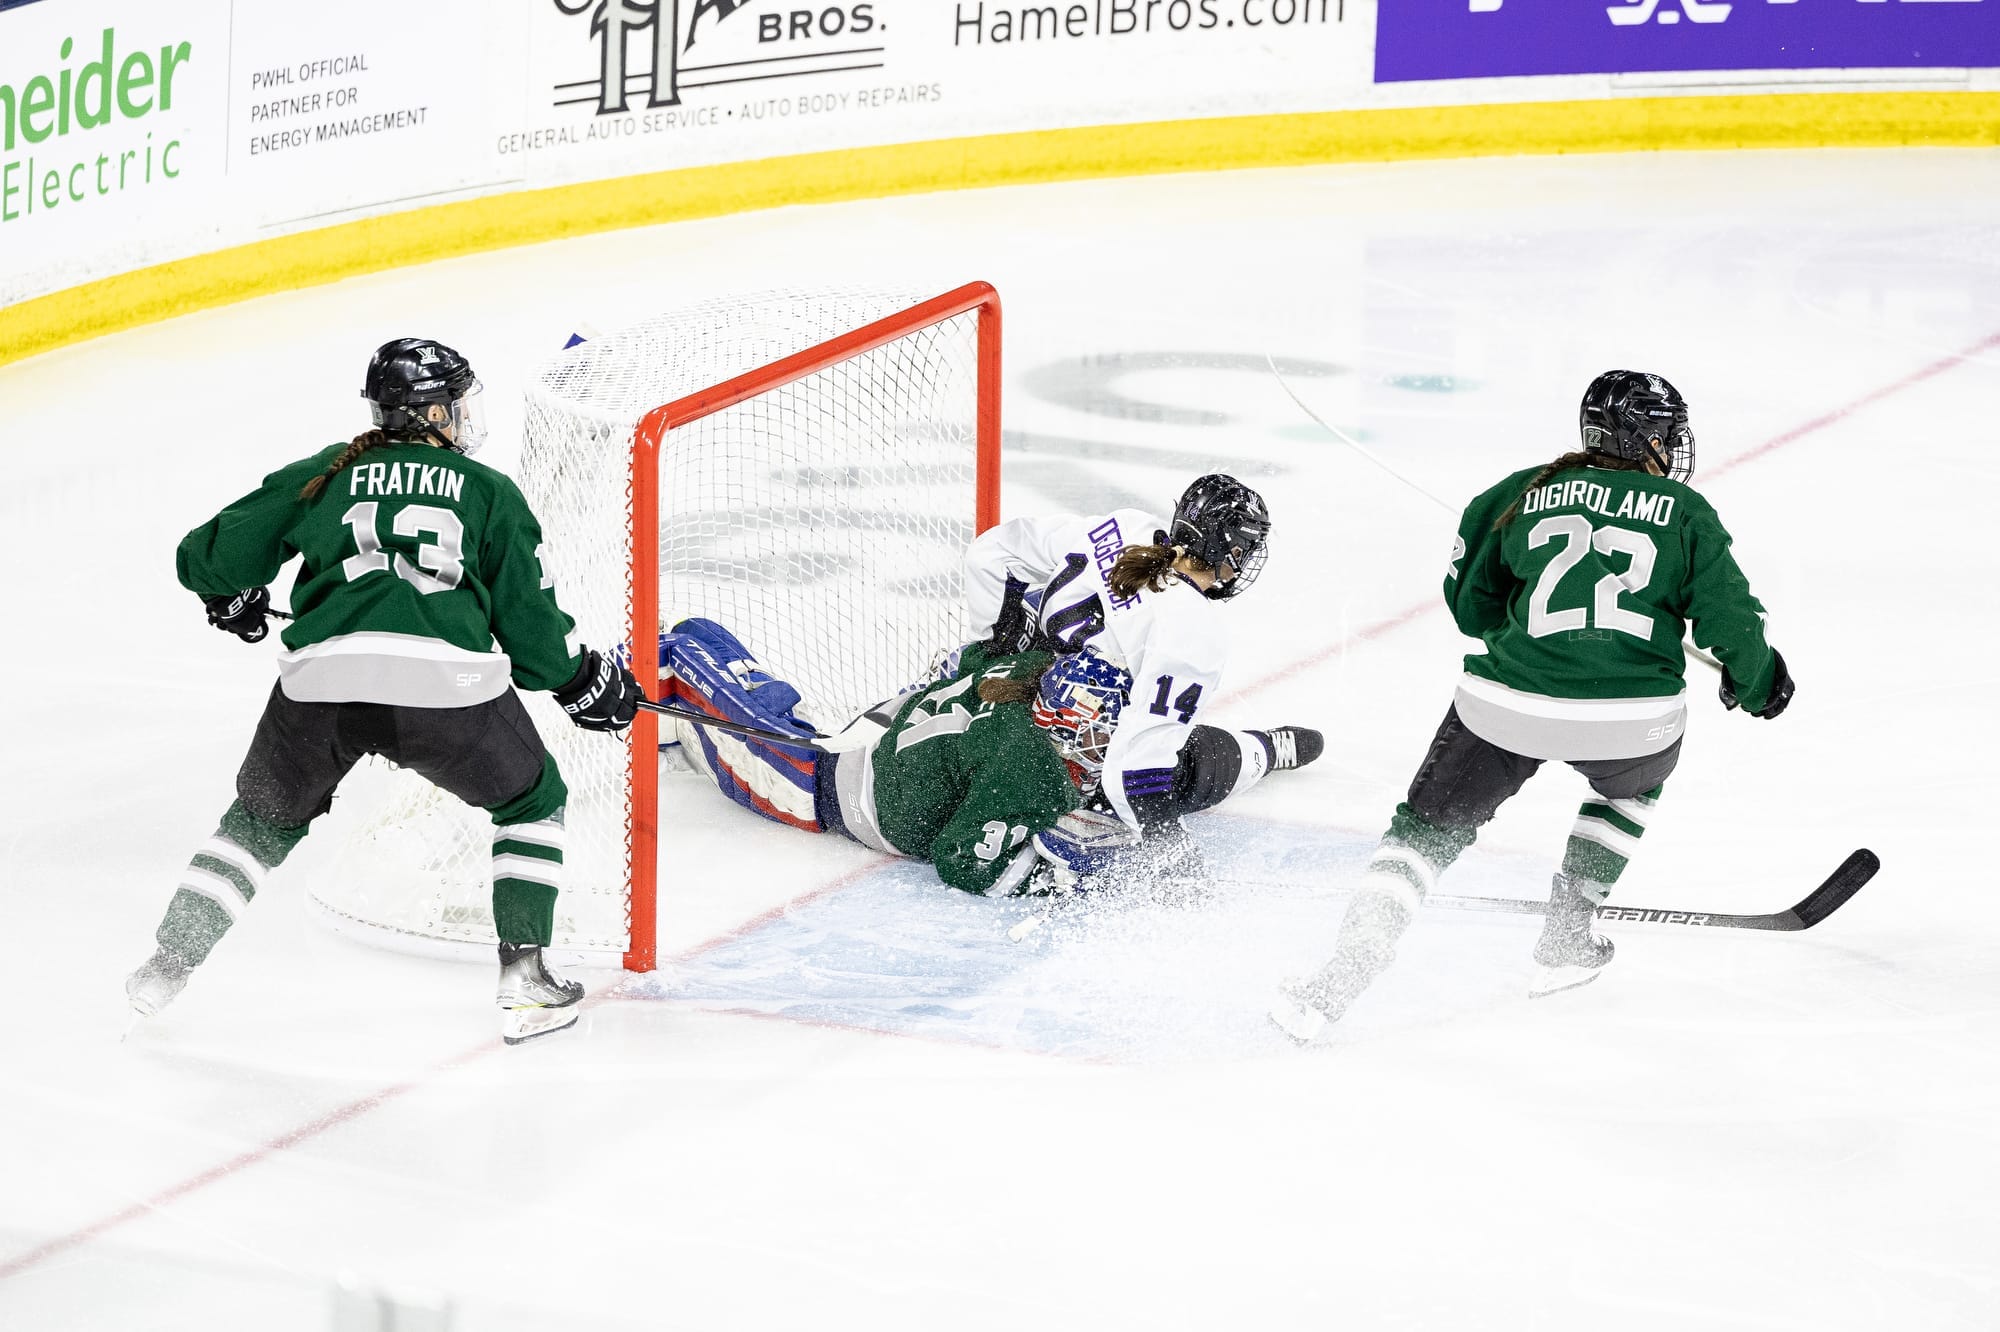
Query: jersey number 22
[(1579, 538)]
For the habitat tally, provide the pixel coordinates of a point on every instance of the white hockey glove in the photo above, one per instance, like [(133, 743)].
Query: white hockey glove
[(1083, 842)]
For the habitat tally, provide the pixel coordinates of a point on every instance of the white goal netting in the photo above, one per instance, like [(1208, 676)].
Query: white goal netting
[(822, 521)]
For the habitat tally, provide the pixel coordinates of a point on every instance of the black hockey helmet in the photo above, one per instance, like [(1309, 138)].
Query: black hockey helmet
[(1639, 417), (410, 374), (1220, 521)]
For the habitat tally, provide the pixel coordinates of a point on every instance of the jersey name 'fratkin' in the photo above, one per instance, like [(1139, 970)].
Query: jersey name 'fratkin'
[(406, 558), (1581, 600)]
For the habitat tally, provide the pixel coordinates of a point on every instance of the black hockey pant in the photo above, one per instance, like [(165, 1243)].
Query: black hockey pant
[(1464, 780), (488, 755)]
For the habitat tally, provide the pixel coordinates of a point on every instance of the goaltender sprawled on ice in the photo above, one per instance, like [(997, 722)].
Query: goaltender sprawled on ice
[(989, 771)]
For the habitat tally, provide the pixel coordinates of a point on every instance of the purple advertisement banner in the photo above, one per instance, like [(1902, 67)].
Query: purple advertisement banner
[(1469, 39)]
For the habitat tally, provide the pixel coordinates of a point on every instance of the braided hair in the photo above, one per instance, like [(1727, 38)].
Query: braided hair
[(360, 444), (1005, 689), (1576, 458)]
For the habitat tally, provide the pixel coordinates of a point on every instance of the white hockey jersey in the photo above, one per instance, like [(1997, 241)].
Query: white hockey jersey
[(1171, 640)]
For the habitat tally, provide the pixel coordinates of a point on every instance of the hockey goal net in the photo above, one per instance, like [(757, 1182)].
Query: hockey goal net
[(805, 469)]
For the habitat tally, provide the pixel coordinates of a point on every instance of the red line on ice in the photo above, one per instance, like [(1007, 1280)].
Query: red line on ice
[(355, 1109), (1930, 371), (1771, 445), (332, 1119)]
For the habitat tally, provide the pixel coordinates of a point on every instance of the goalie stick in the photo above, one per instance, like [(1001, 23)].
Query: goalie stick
[(1816, 906)]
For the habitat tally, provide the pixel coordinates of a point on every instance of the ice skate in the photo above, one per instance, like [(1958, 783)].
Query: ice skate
[(1569, 953), (534, 1003), (153, 986), (1375, 920), (1293, 746), (1306, 1005)]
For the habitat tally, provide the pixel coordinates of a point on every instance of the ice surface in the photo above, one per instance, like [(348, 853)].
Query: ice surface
[(1111, 978), (847, 1100)]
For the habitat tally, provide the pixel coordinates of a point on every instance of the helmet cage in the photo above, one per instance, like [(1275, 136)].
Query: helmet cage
[(1224, 524), (1639, 418)]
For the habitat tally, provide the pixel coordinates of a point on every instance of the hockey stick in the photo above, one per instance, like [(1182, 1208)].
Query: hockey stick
[(1853, 874), (861, 733), (819, 744), (815, 742), (1705, 658), (1816, 906)]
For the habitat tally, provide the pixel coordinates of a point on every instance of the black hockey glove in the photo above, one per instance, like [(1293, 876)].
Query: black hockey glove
[(602, 697), (1781, 689), (1013, 627), (241, 613)]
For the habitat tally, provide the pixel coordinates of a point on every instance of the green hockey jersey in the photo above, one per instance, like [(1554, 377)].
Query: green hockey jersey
[(421, 579), (964, 783), (1585, 593)]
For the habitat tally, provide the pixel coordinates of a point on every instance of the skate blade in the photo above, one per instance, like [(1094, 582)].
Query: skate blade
[(1554, 980), (524, 1024), (1301, 1023)]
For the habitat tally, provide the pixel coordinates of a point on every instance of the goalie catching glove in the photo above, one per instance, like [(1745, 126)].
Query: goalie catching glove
[(603, 696), (1082, 843)]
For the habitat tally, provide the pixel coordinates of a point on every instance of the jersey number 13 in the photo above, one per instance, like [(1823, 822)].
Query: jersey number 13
[(440, 563)]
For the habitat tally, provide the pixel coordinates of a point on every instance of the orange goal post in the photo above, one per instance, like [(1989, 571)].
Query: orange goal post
[(805, 468)]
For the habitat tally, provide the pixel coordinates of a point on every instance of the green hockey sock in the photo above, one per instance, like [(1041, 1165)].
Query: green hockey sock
[(527, 873), (1418, 849), (221, 880), (1605, 836), (528, 859)]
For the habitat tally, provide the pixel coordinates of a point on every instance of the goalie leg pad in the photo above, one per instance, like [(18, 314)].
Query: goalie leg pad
[(710, 671), (717, 661)]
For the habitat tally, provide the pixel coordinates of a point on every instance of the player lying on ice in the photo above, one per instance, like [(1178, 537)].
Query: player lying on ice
[(1141, 593), (984, 772)]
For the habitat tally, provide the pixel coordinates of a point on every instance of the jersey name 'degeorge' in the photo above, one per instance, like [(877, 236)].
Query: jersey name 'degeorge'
[(405, 478), (1640, 505)]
